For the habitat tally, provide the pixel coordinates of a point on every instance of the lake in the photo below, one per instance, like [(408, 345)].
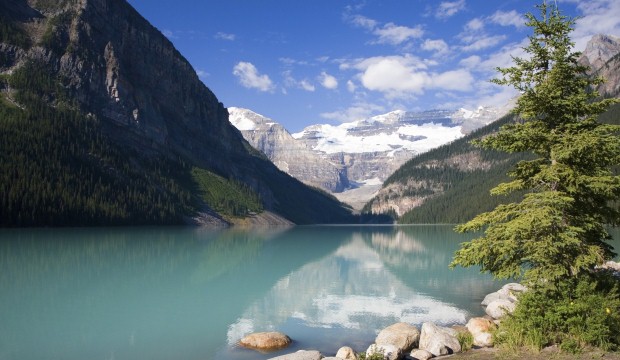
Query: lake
[(191, 293)]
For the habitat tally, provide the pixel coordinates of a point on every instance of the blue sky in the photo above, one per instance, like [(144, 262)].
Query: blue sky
[(329, 61)]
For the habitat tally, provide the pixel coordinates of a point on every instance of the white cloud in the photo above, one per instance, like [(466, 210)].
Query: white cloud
[(597, 18), (474, 25), (476, 38), (470, 62), (508, 18), (484, 42), (356, 112), (202, 74), (407, 76), (250, 77), (389, 33), (456, 80), (351, 86), (394, 34), (438, 46), (328, 81), (306, 85), (363, 22), (291, 82), (449, 8), (225, 36)]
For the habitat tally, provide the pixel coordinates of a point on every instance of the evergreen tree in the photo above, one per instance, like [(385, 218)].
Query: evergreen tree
[(557, 231)]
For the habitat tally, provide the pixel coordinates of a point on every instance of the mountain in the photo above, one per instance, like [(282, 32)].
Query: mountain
[(353, 159), (104, 122), (602, 55), (288, 154), (451, 184)]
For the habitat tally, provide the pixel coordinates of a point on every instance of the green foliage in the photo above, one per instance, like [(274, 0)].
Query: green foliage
[(466, 340), (226, 196), (558, 230), (578, 312), (58, 169), (56, 36), (374, 356)]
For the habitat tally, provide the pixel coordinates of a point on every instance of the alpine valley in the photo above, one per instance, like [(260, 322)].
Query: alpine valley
[(353, 159), (415, 166), (104, 122)]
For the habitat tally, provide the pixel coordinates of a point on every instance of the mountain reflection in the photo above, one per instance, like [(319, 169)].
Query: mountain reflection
[(375, 278)]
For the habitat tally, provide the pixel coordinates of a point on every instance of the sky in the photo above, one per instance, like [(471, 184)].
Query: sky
[(304, 62)]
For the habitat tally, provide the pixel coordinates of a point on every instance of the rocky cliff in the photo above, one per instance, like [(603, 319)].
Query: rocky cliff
[(288, 154), (602, 55), (141, 98), (353, 159)]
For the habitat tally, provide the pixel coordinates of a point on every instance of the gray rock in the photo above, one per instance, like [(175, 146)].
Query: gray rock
[(346, 353), (403, 336), (419, 354), (389, 352), (300, 355), (439, 340), (497, 309)]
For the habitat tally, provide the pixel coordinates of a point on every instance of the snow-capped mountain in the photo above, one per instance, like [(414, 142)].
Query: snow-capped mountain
[(289, 155), (353, 159)]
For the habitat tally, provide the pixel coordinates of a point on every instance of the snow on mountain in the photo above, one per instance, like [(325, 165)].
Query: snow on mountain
[(360, 154)]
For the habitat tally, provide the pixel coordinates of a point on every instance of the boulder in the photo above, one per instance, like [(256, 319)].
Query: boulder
[(266, 341), (419, 354), (389, 352), (509, 292), (346, 353), (497, 309), (481, 328), (438, 340), (300, 355), (403, 336), (492, 297)]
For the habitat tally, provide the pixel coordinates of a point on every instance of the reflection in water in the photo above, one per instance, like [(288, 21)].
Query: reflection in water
[(352, 289), (162, 293)]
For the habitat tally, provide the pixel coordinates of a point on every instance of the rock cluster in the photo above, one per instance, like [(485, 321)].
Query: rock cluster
[(405, 341)]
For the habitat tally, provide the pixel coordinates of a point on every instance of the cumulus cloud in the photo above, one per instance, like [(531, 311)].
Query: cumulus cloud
[(596, 18), (225, 36), (328, 81), (508, 18), (357, 111), (406, 76), (449, 8), (389, 33), (250, 78), (439, 47), (306, 85)]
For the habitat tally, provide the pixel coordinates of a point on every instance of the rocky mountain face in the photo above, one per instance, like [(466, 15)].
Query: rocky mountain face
[(353, 159), (288, 154), (602, 55), (444, 184), (103, 61)]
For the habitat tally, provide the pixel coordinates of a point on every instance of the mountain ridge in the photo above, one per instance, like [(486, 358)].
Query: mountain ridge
[(157, 132), (352, 159), (451, 184)]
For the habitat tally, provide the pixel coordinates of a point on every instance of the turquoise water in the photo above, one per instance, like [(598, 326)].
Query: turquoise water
[(187, 293)]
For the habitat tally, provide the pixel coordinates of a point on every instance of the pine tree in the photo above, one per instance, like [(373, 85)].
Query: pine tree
[(557, 230)]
